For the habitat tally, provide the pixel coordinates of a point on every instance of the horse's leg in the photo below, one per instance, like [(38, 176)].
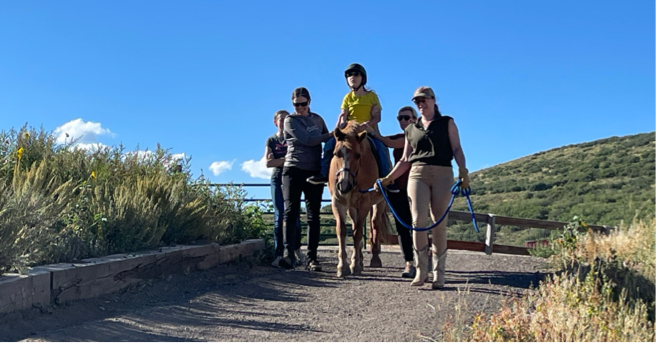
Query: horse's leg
[(376, 231), (339, 211), (358, 228)]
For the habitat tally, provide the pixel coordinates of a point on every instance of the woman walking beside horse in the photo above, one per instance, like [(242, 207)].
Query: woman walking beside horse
[(399, 201), (304, 132), (430, 145)]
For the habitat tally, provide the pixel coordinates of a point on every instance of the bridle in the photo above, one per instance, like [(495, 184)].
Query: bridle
[(351, 184)]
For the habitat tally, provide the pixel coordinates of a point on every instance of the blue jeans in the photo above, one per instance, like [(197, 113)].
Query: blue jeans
[(278, 211), (383, 159)]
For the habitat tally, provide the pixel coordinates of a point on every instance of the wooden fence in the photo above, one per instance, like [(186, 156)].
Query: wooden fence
[(492, 222)]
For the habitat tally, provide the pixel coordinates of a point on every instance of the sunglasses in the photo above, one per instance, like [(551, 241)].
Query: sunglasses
[(300, 104), (353, 73), (419, 101), (404, 117)]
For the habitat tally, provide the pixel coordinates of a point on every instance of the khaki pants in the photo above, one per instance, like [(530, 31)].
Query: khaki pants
[(429, 187)]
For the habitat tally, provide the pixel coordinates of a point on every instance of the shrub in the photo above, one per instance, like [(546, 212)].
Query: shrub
[(605, 292), (59, 203)]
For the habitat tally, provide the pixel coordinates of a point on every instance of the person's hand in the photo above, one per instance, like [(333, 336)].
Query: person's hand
[(383, 180), (343, 117), (370, 130), (270, 156), (463, 174)]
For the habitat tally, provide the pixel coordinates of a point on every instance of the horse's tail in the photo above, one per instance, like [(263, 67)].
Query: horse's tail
[(386, 229)]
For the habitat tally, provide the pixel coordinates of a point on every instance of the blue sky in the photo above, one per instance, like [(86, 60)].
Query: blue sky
[(204, 78)]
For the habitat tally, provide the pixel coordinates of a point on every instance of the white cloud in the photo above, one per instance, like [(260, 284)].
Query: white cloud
[(178, 157), (142, 155), (90, 146), (84, 132), (256, 169), (218, 167)]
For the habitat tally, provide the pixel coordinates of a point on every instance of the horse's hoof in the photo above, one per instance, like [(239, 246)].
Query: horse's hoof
[(376, 262), (343, 272), (356, 270)]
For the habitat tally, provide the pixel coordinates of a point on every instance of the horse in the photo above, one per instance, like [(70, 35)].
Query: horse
[(354, 169)]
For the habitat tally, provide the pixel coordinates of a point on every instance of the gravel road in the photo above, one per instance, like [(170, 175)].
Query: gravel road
[(246, 302)]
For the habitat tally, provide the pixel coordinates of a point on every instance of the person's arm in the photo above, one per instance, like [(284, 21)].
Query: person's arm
[(401, 167), (342, 120), (458, 154), (387, 140), (270, 161), (375, 114), (294, 129)]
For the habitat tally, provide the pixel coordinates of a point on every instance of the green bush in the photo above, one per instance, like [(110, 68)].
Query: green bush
[(59, 203)]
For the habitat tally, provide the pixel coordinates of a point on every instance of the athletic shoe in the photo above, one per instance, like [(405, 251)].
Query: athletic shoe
[(276, 262), (287, 263), (314, 265), (300, 257), (409, 272)]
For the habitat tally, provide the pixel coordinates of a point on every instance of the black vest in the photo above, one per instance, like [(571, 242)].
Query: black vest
[(431, 145)]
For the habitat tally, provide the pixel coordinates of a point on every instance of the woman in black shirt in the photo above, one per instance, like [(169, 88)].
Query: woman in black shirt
[(430, 145)]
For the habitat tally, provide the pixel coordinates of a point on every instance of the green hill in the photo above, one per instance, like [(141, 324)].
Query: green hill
[(604, 182)]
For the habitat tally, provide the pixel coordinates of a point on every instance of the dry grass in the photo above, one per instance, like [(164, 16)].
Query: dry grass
[(606, 293), (58, 203)]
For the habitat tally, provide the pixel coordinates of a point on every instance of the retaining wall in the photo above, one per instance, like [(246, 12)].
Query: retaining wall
[(96, 276)]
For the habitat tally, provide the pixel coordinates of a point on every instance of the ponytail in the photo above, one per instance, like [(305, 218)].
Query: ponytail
[(437, 111)]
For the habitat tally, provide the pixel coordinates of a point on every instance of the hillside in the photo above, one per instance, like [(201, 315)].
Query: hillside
[(604, 182)]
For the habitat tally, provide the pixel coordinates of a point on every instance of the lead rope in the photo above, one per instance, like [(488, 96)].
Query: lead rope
[(455, 189)]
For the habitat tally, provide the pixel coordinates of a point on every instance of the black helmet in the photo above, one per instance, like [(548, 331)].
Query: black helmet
[(359, 68)]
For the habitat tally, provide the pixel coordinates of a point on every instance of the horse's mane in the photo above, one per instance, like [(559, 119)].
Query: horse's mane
[(349, 130), (351, 133)]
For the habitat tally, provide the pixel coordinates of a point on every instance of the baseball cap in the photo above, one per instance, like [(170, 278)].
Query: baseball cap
[(424, 92)]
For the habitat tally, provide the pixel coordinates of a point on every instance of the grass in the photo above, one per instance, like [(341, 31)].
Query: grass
[(604, 291), (59, 203)]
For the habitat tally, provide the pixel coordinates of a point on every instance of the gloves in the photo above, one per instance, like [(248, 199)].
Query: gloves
[(463, 174), (384, 180)]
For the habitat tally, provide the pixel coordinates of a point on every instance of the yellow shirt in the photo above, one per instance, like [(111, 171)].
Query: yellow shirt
[(359, 107)]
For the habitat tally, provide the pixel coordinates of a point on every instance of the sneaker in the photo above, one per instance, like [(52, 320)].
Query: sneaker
[(314, 266), (392, 188), (276, 262), (409, 272), (300, 257), (317, 180), (287, 263)]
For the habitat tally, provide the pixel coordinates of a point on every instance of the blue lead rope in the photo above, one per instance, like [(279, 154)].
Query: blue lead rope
[(455, 189)]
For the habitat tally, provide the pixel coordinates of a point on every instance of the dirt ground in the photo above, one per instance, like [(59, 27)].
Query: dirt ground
[(246, 302)]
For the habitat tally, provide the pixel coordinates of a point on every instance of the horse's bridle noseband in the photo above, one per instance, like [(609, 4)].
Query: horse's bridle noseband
[(354, 175)]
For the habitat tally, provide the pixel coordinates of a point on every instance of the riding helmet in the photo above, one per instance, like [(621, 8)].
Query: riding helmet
[(360, 68)]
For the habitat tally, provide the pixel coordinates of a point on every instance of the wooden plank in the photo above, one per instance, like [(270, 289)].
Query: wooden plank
[(462, 245), (478, 246), (489, 235), (508, 249), (534, 223), (467, 217)]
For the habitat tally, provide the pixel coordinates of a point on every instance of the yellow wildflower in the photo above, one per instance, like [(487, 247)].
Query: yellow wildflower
[(19, 153), (93, 175)]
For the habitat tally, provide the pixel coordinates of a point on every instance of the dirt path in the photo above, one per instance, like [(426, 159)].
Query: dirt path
[(261, 303)]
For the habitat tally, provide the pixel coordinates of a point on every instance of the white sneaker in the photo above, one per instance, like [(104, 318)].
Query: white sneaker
[(276, 262), (300, 257)]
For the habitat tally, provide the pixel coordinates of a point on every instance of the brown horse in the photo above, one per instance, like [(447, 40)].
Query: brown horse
[(354, 169)]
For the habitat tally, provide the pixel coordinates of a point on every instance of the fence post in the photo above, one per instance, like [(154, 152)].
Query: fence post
[(489, 237)]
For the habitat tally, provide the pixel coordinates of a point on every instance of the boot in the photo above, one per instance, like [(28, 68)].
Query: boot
[(439, 267), (421, 259)]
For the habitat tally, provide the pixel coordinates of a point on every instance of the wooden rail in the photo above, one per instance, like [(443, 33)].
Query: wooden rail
[(492, 221)]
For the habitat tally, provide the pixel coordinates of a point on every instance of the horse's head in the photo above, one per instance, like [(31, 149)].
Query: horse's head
[(347, 158)]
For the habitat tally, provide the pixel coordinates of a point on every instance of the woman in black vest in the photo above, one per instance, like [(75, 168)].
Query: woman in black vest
[(430, 145)]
